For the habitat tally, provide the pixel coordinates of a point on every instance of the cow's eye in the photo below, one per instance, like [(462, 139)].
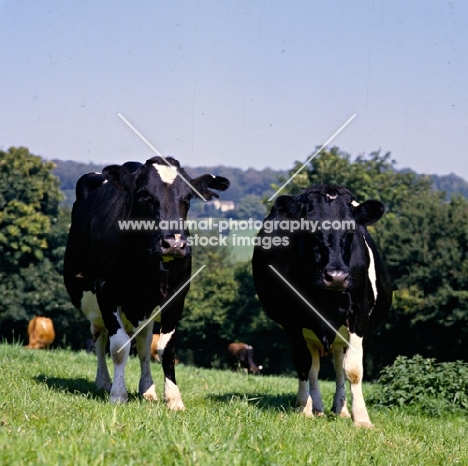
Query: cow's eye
[(144, 197)]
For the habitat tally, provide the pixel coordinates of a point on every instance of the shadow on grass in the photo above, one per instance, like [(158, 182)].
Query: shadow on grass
[(277, 403), (268, 402), (75, 386), (79, 387)]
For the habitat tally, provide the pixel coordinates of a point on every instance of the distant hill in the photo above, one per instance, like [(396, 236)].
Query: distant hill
[(452, 185), (248, 187), (69, 172)]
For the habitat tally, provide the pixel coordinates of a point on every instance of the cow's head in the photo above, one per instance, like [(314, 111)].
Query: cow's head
[(162, 192), (337, 247), (175, 189)]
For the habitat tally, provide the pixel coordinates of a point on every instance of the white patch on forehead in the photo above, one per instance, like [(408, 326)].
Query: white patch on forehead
[(167, 173), (371, 272), (332, 197), (354, 203)]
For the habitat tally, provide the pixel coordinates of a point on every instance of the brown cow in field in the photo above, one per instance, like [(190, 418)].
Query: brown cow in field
[(154, 348), (241, 354), (41, 333)]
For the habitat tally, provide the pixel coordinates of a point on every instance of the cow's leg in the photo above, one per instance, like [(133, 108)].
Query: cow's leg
[(353, 367), (120, 350), (339, 402), (303, 363), (143, 344), (166, 353), (314, 382), (103, 380), (119, 340)]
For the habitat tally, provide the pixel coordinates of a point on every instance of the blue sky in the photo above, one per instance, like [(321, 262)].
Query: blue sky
[(242, 83)]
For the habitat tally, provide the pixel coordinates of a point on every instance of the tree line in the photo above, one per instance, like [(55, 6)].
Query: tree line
[(423, 239)]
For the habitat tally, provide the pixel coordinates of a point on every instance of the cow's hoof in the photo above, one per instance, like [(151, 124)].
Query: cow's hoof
[(150, 394), (344, 413), (175, 405), (118, 399), (319, 413), (365, 424), (104, 385), (305, 412), (304, 407)]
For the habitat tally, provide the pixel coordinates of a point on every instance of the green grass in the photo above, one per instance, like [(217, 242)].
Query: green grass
[(50, 413)]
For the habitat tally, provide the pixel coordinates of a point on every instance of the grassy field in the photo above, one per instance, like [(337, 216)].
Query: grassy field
[(50, 413)]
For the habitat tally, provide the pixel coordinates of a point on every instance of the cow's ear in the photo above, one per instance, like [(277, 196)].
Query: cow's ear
[(368, 212), (288, 206), (120, 177), (203, 184)]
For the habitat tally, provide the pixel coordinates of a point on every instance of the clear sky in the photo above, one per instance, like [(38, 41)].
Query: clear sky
[(245, 83)]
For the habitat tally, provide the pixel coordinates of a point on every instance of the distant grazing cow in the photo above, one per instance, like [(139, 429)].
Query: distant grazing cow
[(118, 276), (323, 278), (154, 348), (241, 354), (41, 333)]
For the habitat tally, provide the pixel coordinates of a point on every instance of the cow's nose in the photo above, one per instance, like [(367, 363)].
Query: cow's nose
[(173, 242), (335, 278)]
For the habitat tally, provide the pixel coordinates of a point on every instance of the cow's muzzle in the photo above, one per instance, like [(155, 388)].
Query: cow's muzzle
[(336, 279), (173, 245)]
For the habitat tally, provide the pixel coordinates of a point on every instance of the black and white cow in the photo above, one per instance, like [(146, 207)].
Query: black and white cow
[(326, 288), (117, 276)]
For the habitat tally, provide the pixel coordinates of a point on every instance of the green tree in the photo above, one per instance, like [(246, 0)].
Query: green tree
[(251, 325), (33, 232), (206, 326), (29, 198), (249, 206)]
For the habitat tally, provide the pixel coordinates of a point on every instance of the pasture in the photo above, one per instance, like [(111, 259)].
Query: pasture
[(50, 413)]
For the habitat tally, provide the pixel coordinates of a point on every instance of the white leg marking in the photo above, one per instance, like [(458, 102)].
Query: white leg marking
[(304, 400), (172, 396), (143, 342), (317, 402), (371, 272), (162, 343), (354, 370), (118, 392), (167, 173)]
